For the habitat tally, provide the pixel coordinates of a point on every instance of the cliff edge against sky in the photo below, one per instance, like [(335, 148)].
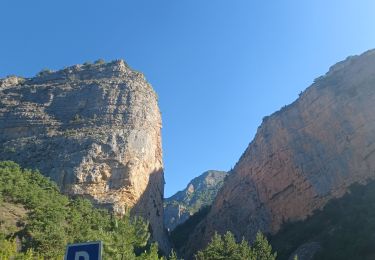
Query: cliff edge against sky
[(94, 129), (302, 156)]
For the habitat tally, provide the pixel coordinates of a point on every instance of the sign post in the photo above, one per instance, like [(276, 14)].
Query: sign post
[(84, 251)]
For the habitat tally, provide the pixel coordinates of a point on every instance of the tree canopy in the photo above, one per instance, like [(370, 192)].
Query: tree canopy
[(53, 220), (226, 248)]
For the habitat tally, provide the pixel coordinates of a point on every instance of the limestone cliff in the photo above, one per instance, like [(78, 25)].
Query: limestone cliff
[(302, 156), (200, 192), (95, 130)]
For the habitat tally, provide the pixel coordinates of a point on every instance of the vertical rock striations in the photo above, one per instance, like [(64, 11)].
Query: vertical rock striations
[(94, 130), (302, 156)]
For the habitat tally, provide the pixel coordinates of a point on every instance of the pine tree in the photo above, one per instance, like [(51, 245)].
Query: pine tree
[(262, 249), (226, 247), (172, 255), (54, 220)]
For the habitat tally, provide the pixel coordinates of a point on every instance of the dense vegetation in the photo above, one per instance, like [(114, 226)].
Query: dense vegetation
[(181, 233), (221, 247), (226, 248), (53, 220), (345, 228)]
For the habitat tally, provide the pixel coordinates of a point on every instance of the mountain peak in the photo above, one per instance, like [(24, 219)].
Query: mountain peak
[(94, 129), (199, 193), (302, 156)]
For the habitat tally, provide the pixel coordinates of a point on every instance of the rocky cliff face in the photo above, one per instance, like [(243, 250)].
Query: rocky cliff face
[(200, 192), (302, 156), (94, 130)]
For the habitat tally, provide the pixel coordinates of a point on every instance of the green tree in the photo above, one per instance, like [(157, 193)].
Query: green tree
[(99, 61), (172, 255), (226, 247), (44, 72), (54, 220), (262, 249), (152, 253), (125, 236), (8, 250)]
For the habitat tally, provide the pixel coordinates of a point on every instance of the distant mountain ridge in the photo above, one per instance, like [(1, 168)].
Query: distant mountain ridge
[(200, 192)]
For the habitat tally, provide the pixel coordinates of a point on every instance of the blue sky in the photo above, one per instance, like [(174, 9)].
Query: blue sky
[(218, 66)]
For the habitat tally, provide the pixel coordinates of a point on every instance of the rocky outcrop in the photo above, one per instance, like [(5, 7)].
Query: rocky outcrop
[(302, 156), (94, 130), (199, 193)]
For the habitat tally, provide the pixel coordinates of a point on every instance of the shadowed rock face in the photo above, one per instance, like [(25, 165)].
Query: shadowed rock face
[(94, 130), (302, 156)]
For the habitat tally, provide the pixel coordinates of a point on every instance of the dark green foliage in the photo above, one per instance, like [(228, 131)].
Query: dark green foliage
[(172, 255), (345, 228), (181, 233), (8, 250), (44, 72), (54, 220), (205, 186), (99, 61), (221, 247), (226, 248), (261, 249)]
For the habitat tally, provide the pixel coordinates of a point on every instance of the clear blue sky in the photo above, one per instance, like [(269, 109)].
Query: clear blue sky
[(218, 66)]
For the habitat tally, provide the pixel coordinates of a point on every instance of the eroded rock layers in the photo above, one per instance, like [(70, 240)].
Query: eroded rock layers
[(94, 130), (302, 156)]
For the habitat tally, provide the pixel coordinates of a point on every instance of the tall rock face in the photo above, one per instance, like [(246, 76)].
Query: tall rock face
[(94, 130), (302, 156), (199, 193)]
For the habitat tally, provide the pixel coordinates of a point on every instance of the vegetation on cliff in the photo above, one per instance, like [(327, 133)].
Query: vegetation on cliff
[(48, 221), (221, 247), (344, 228), (199, 193), (53, 220), (302, 156), (181, 233), (90, 128)]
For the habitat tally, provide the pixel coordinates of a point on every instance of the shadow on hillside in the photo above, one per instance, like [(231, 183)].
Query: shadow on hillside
[(150, 207)]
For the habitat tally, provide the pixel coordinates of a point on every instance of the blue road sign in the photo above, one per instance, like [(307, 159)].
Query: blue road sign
[(84, 251)]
